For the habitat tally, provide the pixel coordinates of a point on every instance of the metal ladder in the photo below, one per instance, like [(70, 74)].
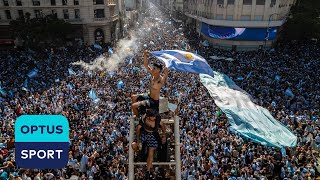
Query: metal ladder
[(177, 160)]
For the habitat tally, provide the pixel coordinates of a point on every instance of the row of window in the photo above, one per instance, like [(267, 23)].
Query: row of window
[(38, 13), (98, 13), (53, 2), (230, 17), (245, 2)]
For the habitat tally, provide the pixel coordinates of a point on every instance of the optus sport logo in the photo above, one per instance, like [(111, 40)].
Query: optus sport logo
[(41, 141)]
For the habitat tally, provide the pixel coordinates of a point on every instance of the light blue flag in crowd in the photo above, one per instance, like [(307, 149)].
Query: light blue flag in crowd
[(11, 93), (110, 51), (182, 43), (145, 45), (25, 84), (183, 61), (120, 84), (277, 78), (33, 73), (151, 42), (159, 38), (273, 104), (249, 75), (283, 152), (69, 87), (205, 43), (136, 69), (71, 72), (92, 94), (130, 61), (240, 78), (248, 119), (298, 86), (289, 93), (97, 46), (212, 159), (3, 92)]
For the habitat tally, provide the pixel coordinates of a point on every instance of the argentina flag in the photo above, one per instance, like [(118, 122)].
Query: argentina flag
[(245, 117), (184, 61)]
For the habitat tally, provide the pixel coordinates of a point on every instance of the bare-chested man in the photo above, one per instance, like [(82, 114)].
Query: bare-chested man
[(149, 126), (150, 99)]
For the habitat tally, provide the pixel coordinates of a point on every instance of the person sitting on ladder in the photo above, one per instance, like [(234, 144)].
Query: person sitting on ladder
[(147, 131), (151, 99)]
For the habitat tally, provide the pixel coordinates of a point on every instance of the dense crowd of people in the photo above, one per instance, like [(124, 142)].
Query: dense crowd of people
[(99, 131)]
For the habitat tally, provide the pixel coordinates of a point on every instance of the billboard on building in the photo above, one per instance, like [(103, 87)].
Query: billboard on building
[(233, 33)]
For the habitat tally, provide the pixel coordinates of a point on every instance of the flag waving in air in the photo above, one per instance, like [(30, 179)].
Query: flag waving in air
[(184, 61), (247, 118)]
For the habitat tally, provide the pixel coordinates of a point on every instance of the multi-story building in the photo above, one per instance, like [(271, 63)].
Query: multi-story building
[(99, 19), (132, 7), (237, 24)]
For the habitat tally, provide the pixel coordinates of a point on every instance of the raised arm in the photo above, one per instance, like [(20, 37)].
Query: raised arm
[(145, 61), (165, 75)]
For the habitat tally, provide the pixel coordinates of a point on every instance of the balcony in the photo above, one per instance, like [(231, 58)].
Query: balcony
[(74, 21), (114, 18), (5, 21), (101, 19), (106, 19), (111, 2)]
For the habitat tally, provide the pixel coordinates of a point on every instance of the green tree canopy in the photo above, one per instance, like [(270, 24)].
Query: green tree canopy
[(48, 30), (304, 21)]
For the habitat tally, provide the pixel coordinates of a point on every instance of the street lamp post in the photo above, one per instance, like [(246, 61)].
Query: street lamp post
[(267, 31)]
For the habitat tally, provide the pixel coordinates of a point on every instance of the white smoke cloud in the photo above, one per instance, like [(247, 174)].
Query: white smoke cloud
[(124, 48)]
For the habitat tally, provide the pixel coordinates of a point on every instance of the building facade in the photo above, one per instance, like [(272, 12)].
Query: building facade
[(132, 7), (237, 24), (99, 19)]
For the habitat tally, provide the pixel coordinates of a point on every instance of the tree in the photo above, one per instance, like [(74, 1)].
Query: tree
[(49, 30), (303, 21)]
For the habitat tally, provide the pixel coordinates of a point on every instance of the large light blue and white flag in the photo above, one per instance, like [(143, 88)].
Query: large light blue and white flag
[(97, 46), (183, 61), (248, 119), (71, 72), (33, 73), (289, 93)]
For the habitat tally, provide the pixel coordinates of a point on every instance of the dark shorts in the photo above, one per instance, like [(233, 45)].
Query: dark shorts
[(149, 139), (146, 101)]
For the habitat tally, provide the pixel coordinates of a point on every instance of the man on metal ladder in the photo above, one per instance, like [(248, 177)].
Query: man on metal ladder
[(149, 136)]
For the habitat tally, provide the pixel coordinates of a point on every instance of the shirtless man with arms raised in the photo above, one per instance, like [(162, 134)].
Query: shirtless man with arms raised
[(150, 99)]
